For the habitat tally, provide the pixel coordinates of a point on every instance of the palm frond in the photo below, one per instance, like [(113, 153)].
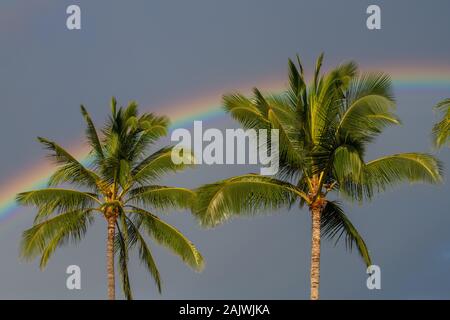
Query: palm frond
[(124, 174), (162, 197), (149, 128), (347, 164), (441, 130), (127, 135), (297, 82), (145, 255), (61, 200), (247, 194), (159, 163), (291, 136), (317, 68), (368, 107), (91, 134), (122, 248), (44, 237), (245, 111), (384, 172), (171, 238), (335, 224), (71, 170), (326, 102)]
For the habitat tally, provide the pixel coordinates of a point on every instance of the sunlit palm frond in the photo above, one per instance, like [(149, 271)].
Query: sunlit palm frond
[(368, 108), (61, 200), (390, 170), (325, 103), (44, 237), (317, 68), (297, 83), (245, 111), (148, 129), (91, 134), (70, 169), (162, 197), (146, 256), (171, 238), (121, 247), (325, 97), (291, 136), (241, 195), (441, 130), (347, 164), (159, 163)]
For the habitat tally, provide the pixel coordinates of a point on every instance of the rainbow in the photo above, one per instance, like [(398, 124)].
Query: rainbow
[(410, 77)]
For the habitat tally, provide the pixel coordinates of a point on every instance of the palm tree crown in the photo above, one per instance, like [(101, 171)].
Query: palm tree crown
[(118, 185), (325, 129)]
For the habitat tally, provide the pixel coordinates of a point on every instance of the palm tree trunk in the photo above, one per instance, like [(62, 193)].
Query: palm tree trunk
[(315, 251), (110, 258)]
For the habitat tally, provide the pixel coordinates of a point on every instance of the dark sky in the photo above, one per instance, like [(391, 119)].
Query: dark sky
[(157, 52)]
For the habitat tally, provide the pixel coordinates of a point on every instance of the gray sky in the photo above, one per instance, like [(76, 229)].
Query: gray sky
[(158, 52)]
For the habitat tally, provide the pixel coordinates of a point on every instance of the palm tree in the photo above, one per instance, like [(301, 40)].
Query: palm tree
[(117, 186), (441, 130), (325, 129)]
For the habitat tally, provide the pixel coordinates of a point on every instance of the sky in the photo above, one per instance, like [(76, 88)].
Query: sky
[(178, 58)]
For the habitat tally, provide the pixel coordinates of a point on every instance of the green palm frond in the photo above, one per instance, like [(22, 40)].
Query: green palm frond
[(44, 237), (247, 194), (128, 134), (325, 102), (347, 164), (317, 69), (123, 176), (297, 83), (366, 118), (245, 111), (368, 108), (159, 163), (339, 79), (145, 255), (148, 129), (441, 130), (335, 224), (91, 134), (70, 170), (370, 84), (384, 172), (286, 120), (297, 94), (113, 106), (274, 112), (162, 197), (122, 249), (171, 238), (50, 200)]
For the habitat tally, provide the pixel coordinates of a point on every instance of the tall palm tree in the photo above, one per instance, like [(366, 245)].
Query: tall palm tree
[(441, 130), (117, 186), (325, 129)]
